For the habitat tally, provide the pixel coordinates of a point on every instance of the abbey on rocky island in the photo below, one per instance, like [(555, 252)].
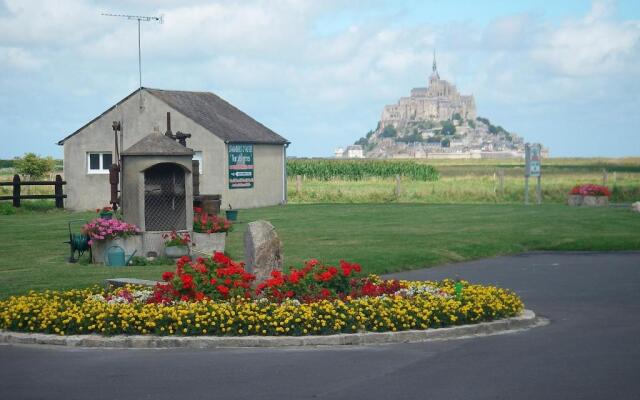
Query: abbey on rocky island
[(438, 102)]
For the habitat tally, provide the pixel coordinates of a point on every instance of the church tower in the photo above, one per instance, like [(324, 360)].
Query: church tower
[(434, 69)]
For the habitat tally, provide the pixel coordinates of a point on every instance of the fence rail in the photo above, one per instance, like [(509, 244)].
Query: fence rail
[(58, 195)]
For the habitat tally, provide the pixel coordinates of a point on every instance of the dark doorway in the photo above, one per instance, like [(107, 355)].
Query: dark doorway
[(164, 198)]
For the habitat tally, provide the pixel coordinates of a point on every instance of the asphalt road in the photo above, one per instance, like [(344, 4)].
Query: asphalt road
[(591, 350)]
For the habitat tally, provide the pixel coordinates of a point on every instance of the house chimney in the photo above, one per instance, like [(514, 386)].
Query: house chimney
[(168, 132)]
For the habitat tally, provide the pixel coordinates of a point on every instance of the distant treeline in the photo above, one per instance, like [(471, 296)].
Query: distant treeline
[(10, 164)]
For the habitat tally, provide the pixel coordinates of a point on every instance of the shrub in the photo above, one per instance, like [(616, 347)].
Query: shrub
[(34, 166)]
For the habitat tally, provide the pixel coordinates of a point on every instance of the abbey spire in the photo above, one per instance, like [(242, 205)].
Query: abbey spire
[(434, 69)]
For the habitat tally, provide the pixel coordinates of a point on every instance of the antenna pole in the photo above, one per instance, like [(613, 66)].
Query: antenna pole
[(139, 18), (139, 57)]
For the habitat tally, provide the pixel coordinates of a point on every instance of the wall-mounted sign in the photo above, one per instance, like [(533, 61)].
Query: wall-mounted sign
[(532, 160), (240, 166)]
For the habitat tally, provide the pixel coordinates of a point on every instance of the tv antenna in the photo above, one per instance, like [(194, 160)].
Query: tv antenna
[(139, 18)]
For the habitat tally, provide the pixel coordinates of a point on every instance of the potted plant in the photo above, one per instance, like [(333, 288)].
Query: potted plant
[(232, 215), (105, 233), (105, 212), (209, 232), (589, 195), (176, 244)]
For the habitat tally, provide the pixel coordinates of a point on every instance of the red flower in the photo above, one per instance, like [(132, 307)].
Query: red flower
[(187, 281), (223, 290), (167, 276)]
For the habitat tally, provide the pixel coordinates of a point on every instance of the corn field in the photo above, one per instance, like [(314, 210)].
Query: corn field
[(356, 170)]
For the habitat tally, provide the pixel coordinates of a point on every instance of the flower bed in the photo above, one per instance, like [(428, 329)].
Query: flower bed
[(589, 195), (313, 300)]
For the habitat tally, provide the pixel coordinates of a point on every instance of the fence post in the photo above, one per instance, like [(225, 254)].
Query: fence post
[(298, 184), (58, 192), (501, 181), (398, 189), (16, 190), (605, 177)]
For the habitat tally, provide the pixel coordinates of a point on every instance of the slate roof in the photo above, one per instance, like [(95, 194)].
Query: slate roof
[(157, 144), (212, 113)]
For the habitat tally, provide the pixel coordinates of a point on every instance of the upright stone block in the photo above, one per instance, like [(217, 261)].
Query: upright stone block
[(262, 250)]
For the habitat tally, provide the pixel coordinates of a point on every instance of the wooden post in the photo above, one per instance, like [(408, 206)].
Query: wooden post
[(16, 190), (605, 177), (501, 181), (58, 192), (526, 190), (398, 189), (615, 178), (298, 184)]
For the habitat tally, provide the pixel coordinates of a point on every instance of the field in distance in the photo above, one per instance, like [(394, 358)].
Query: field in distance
[(476, 181)]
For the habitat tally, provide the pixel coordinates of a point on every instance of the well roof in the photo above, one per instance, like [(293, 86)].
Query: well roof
[(157, 144)]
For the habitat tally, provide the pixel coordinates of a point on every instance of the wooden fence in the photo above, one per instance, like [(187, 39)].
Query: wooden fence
[(17, 184)]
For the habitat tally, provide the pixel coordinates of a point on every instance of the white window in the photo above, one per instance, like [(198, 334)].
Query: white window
[(98, 163), (197, 155)]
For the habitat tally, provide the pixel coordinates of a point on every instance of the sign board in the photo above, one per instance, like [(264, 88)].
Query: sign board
[(240, 166), (532, 159)]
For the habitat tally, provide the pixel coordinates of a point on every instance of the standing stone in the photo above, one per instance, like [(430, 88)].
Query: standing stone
[(262, 250)]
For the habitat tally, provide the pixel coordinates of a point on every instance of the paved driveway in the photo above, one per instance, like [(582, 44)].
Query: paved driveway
[(591, 350)]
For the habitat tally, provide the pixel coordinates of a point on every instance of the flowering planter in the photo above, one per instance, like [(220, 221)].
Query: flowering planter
[(129, 244), (209, 243), (176, 251)]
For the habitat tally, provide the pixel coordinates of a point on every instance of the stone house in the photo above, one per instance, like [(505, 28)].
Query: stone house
[(221, 135)]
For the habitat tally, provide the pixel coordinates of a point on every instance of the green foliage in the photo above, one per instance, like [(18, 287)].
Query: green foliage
[(370, 133), (445, 142), (471, 123), (389, 132), (414, 137), (355, 170), (34, 166), (494, 129), (142, 261), (363, 141), (457, 117), (6, 208), (6, 163), (448, 128)]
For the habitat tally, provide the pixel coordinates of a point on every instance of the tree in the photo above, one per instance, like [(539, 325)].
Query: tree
[(33, 165), (457, 117), (445, 143), (448, 128), (362, 142), (388, 132)]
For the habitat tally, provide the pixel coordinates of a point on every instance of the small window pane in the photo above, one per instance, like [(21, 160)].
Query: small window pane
[(94, 161), (106, 160)]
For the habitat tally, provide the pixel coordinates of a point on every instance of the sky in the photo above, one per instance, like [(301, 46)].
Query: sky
[(563, 73)]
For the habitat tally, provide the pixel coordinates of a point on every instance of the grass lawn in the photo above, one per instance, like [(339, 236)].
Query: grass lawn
[(382, 237)]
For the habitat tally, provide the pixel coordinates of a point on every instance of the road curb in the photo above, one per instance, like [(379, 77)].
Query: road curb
[(526, 320)]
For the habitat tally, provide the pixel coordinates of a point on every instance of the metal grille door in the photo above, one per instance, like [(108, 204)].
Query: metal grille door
[(164, 198)]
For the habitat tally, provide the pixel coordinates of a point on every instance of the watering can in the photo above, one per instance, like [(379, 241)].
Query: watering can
[(115, 257)]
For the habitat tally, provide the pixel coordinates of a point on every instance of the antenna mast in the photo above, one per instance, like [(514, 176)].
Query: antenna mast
[(139, 18)]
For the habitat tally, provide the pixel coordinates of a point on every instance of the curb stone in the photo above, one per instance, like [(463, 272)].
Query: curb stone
[(526, 320)]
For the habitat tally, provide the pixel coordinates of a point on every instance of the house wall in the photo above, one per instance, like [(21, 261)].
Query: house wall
[(89, 191)]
